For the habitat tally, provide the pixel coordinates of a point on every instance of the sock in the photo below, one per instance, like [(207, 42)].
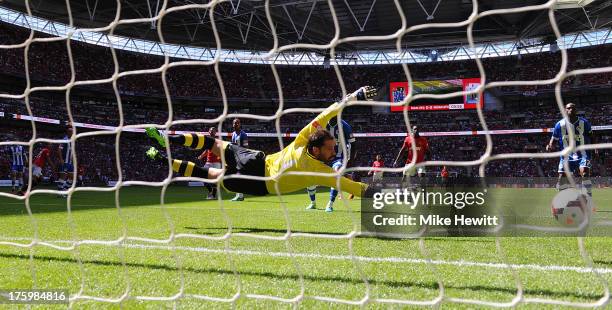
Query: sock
[(333, 193), (312, 191), (189, 169), (13, 183), (209, 187), (20, 182), (193, 140), (61, 184), (24, 187), (214, 191), (586, 183)]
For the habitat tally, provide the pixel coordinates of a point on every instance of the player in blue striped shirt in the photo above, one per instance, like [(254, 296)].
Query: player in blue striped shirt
[(240, 138), (578, 161), (17, 165), (65, 157), (336, 164)]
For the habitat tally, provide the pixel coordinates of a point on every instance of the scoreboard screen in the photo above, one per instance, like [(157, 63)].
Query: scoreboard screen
[(399, 90)]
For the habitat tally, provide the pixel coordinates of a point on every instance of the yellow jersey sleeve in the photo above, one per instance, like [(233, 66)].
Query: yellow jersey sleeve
[(318, 123), (346, 184)]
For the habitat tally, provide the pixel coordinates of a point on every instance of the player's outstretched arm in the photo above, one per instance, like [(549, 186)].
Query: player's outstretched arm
[(401, 151), (549, 146), (556, 135), (202, 157), (364, 93), (592, 138), (346, 185)]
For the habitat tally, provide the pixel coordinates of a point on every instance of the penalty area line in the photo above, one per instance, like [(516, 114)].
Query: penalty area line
[(457, 263)]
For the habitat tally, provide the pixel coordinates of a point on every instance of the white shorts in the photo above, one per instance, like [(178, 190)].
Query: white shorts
[(413, 171), (377, 176), (212, 165), (36, 171)]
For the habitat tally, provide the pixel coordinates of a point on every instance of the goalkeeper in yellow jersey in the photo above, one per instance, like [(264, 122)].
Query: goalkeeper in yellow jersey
[(312, 149)]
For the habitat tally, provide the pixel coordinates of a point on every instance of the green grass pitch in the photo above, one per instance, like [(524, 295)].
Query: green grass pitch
[(467, 268)]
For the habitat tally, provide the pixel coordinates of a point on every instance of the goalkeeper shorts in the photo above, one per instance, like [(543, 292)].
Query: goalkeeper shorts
[(242, 161)]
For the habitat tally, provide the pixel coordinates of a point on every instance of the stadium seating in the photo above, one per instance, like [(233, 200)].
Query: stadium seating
[(95, 104)]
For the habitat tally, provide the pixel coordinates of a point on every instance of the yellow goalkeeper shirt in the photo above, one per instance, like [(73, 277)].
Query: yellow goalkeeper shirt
[(295, 157)]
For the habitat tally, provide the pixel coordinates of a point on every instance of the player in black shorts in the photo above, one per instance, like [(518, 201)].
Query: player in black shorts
[(238, 161), (311, 151)]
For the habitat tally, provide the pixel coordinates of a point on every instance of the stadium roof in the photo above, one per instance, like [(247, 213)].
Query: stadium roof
[(242, 24)]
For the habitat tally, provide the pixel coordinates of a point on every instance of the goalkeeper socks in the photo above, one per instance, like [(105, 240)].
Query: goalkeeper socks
[(189, 169), (193, 140), (332, 195), (586, 183)]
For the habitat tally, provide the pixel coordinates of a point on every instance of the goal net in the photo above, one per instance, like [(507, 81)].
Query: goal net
[(124, 231)]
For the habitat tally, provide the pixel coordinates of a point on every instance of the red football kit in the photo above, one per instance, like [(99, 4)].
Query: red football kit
[(377, 165), (421, 148), (210, 157), (42, 157), (444, 173)]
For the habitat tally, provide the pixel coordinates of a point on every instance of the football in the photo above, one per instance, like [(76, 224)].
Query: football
[(571, 207)]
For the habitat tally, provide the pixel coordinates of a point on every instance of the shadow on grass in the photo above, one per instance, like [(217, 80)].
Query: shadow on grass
[(322, 278), (603, 262), (222, 230), (132, 196)]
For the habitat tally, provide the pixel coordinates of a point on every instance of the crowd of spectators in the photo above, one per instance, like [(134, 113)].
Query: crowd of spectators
[(96, 154), (49, 63), (90, 111), (143, 101)]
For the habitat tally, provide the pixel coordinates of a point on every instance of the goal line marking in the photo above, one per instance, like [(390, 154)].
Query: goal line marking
[(458, 263)]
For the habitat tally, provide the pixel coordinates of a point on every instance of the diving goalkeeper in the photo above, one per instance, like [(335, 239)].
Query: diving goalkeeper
[(312, 149)]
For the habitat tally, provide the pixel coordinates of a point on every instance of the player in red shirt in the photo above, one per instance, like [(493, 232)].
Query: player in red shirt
[(422, 152), (376, 171), (37, 165), (444, 175), (211, 160), (80, 174)]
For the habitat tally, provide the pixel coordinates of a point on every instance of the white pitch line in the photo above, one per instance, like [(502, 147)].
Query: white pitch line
[(459, 263)]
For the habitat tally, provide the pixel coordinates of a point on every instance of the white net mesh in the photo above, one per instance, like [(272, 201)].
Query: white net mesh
[(350, 259)]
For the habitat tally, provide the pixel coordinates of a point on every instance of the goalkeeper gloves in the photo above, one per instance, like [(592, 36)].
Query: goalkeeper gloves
[(366, 93)]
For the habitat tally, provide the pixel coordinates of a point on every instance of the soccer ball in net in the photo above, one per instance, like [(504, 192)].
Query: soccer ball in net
[(571, 207)]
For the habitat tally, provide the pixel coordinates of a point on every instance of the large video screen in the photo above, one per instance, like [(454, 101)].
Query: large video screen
[(399, 91)]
